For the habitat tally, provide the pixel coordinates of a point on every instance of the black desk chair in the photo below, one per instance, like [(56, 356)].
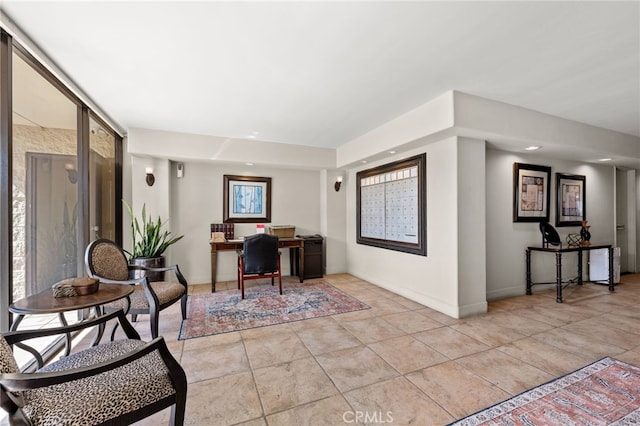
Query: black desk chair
[(259, 258)]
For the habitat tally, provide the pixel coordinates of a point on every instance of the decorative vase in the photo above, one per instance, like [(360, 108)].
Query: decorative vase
[(149, 262), (585, 235)]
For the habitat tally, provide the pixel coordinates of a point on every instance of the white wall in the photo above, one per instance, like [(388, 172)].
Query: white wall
[(637, 219), (333, 225), (507, 240), (432, 280), (470, 213), (406, 131), (197, 202), (302, 193), (630, 231)]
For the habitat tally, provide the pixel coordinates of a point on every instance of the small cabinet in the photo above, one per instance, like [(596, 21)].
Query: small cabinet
[(313, 256)]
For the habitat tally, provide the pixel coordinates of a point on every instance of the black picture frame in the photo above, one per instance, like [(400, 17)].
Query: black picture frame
[(531, 196), (571, 201), (236, 189)]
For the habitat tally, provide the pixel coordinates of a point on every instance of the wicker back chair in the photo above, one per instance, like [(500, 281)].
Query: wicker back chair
[(106, 261)]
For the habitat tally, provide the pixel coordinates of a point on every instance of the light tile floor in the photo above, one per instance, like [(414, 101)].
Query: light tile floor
[(399, 362)]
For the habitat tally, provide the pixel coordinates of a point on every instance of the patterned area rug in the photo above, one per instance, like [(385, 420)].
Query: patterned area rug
[(224, 311), (606, 392)]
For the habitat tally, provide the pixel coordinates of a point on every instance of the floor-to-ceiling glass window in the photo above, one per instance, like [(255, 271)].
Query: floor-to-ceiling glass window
[(102, 181), (61, 177), (45, 179)]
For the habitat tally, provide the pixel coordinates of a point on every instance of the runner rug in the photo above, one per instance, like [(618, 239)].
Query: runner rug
[(225, 311), (606, 392)]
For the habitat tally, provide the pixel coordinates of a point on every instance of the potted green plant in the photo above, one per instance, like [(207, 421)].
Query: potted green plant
[(149, 242)]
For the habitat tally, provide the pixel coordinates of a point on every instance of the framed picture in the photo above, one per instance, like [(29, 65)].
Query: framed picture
[(247, 199), (571, 205), (531, 193)]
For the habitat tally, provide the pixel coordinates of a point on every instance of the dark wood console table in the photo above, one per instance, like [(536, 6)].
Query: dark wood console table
[(233, 245), (559, 251)]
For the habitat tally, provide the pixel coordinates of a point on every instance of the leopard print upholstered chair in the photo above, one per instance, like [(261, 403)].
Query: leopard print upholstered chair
[(117, 382), (106, 261)]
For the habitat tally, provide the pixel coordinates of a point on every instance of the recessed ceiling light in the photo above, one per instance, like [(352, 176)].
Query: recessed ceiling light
[(392, 152), (251, 136), (605, 159), (532, 148), (248, 164), (364, 161)]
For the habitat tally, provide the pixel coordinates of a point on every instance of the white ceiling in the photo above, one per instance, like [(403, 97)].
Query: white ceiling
[(323, 73)]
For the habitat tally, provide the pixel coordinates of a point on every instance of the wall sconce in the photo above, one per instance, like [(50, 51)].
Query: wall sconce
[(338, 183), (150, 178), (72, 173)]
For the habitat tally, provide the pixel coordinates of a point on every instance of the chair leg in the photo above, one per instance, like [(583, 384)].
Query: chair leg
[(177, 412), (279, 275), (134, 317), (154, 317), (241, 281), (183, 306), (178, 409)]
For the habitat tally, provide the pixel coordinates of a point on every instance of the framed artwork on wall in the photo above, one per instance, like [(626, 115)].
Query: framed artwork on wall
[(571, 207), (246, 199), (531, 192)]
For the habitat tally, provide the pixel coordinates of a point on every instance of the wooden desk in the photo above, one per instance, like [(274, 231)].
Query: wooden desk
[(233, 245), (559, 251)]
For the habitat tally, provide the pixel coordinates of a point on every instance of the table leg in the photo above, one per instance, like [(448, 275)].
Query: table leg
[(293, 260), (63, 321), (16, 323), (301, 262), (23, 346), (559, 277), (580, 267), (611, 285), (101, 327), (115, 325), (528, 257), (214, 264)]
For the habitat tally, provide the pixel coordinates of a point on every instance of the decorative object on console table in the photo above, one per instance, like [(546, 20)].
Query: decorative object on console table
[(549, 235), (574, 240), (585, 234)]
